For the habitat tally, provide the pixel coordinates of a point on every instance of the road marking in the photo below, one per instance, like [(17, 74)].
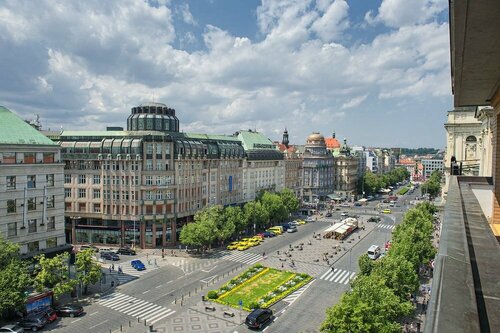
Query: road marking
[(91, 327), (170, 281), (208, 279), (93, 313), (145, 292), (208, 270), (158, 286), (167, 294), (74, 321)]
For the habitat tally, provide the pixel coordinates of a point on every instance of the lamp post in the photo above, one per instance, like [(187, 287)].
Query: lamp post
[(133, 241)]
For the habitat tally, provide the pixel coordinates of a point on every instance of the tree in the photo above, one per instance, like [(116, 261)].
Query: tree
[(398, 274), (88, 271), (256, 214), (369, 307), (365, 264), (54, 274), (274, 206), (289, 200), (235, 216), (14, 278)]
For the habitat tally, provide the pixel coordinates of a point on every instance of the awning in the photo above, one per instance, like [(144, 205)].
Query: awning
[(334, 197)]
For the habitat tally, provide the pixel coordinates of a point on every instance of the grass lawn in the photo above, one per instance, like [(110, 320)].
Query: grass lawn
[(255, 289)]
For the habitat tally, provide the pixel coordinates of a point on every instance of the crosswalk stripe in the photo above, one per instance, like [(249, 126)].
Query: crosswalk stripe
[(136, 311), (341, 276), (171, 312), (158, 316), (345, 278), (137, 306), (114, 299), (335, 275), (150, 311)]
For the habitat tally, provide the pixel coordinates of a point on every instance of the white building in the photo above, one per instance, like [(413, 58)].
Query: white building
[(31, 188)]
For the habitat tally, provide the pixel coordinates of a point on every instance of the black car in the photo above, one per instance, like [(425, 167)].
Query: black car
[(110, 256), (258, 318), (328, 214), (34, 321), (374, 219), (69, 310), (126, 251)]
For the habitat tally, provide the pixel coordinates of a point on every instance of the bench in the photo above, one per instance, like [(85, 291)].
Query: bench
[(229, 314), (209, 308)]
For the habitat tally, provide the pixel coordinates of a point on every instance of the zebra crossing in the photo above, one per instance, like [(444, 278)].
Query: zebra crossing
[(129, 273), (296, 294), (386, 226), (188, 265), (135, 307), (248, 258), (338, 276)]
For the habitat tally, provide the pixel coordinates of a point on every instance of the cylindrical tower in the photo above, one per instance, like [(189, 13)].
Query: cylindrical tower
[(153, 117)]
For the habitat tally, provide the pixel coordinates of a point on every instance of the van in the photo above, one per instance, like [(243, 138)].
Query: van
[(373, 252)]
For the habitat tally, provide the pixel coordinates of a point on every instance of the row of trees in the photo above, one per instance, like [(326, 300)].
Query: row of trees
[(372, 183), (216, 224), (380, 294), (433, 184), (18, 278)]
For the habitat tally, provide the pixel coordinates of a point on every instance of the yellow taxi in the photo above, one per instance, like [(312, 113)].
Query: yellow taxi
[(243, 247), (276, 230), (386, 211), (301, 222), (233, 245), (253, 242), (258, 238)]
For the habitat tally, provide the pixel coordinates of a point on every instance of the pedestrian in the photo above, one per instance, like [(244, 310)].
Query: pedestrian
[(112, 267), (332, 268), (263, 254), (147, 256), (109, 268), (418, 327), (156, 263), (282, 265)]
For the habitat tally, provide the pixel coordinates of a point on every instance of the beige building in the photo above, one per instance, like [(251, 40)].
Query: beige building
[(346, 173), (31, 188), (319, 168), (485, 143), (293, 165)]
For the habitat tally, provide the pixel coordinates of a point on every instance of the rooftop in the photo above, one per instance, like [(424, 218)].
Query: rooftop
[(15, 131), (255, 140)]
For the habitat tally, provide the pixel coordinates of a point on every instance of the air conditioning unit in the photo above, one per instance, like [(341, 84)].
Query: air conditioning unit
[(99, 157), (128, 157), (119, 157), (110, 156)]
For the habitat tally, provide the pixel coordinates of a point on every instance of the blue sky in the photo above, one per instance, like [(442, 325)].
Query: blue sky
[(374, 72)]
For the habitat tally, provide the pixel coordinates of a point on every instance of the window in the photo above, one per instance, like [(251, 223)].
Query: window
[(67, 193), (11, 182), (97, 179), (32, 181), (9, 158), (12, 229), (158, 150), (48, 157), (149, 180), (67, 179), (149, 165), (33, 246), (29, 158), (97, 208), (50, 179), (32, 225), (149, 148), (159, 165), (116, 195), (51, 201), (51, 242), (96, 194), (82, 193), (51, 223), (31, 204), (11, 206), (82, 179)]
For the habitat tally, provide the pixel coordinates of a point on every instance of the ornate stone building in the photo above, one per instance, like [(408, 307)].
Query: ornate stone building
[(293, 165), (318, 167), (346, 173)]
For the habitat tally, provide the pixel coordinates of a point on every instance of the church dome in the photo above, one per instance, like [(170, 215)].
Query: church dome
[(315, 136)]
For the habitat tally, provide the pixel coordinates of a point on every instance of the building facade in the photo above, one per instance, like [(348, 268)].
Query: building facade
[(318, 170), (431, 165), (31, 188), (346, 173), (293, 165)]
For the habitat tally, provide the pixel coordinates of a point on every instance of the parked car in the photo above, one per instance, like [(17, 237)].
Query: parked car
[(69, 310), (310, 219), (233, 245), (344, 214), (50, 314), (285, 226), (138, 265), (34, 321), (328, 214), (344, 204), (292, 229), (11, 329), (110, 256), (374, 219), (89, 246), (126, 251), (269, 234), (258, 318), (293, 223)]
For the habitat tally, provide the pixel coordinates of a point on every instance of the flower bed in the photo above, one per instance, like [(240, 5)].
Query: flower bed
[(258, 287)]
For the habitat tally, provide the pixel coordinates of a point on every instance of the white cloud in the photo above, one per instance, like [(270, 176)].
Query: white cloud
[(88, 63), (398, 13), (354, 102), (186, 14)]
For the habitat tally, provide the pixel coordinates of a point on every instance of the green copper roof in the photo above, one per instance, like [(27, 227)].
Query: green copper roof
[(255, 140), (210, 136), (15, 131)]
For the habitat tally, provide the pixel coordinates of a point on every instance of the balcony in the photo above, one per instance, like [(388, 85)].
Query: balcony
[(465, 293)]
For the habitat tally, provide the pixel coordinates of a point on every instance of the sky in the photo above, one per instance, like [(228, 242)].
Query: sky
[(376, 72)]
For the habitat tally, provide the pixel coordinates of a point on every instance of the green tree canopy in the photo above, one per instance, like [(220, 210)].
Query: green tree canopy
[(256, 214), (289, 200), (369, 307), (234, 215), (274, 206), (54, 274), (88, 271), (14, 277), (398, 274), (365, 264)]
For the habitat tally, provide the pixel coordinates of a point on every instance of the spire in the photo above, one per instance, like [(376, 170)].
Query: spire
[(333, 134), (285, 138)]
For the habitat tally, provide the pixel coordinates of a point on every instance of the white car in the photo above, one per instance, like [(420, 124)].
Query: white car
[(344, 204), (11, 329), (292, 228), (344, 214), (293, 223), (310, 219)]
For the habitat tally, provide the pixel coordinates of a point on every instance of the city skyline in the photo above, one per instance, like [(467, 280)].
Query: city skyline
[(361, 70)]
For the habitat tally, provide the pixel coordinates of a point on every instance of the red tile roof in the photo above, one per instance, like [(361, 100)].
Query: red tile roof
[(332, 143)]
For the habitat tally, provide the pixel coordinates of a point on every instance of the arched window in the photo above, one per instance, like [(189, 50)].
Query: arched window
[(470, 148)]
